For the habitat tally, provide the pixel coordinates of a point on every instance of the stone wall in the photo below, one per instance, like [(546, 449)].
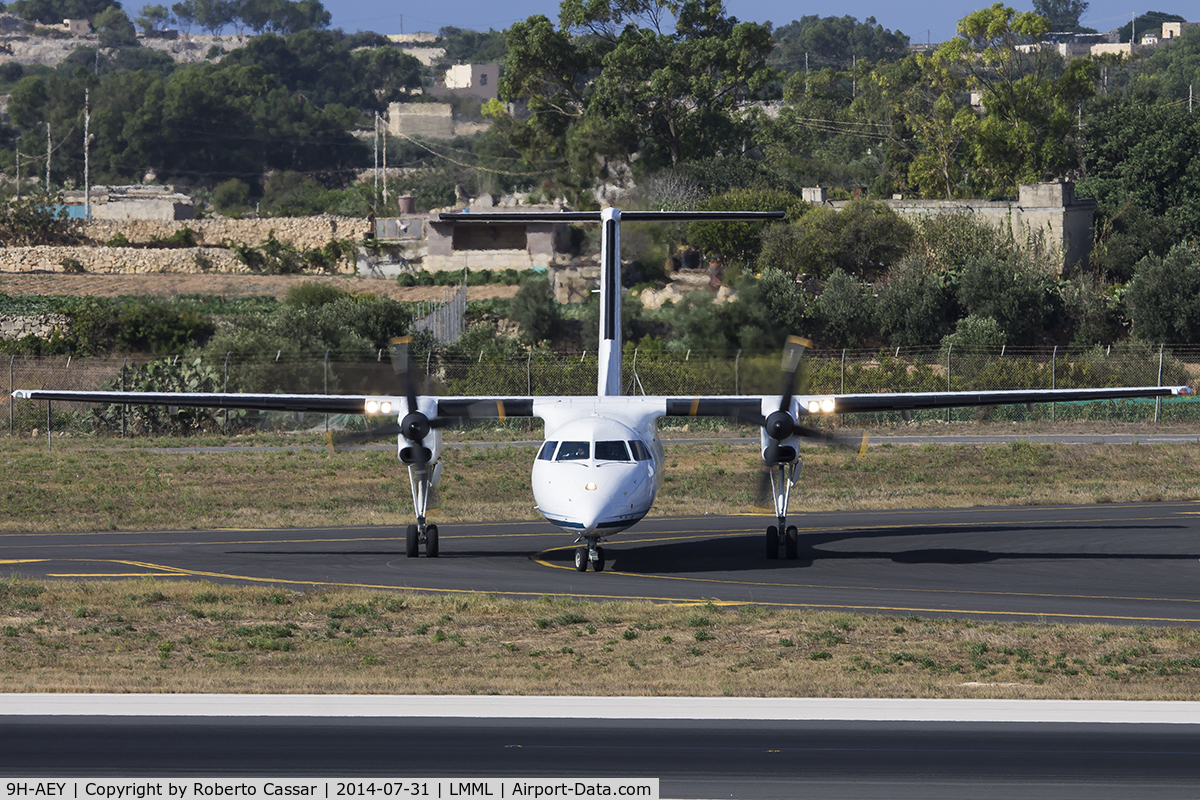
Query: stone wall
[(120, 260), (303, 232), (39, 325), (486, 259)]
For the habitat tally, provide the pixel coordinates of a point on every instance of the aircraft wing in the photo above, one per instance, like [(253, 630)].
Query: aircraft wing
[(326, 403), (481, 407), (911, 401), (750, 408)]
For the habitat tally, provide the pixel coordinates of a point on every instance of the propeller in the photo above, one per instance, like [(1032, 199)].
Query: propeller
[(415, 425), (780, 425)]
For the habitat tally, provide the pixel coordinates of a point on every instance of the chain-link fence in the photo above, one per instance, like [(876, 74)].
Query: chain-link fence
[(645, 372)]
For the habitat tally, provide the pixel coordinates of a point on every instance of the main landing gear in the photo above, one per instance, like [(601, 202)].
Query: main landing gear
[(783, 476), (592, 554)]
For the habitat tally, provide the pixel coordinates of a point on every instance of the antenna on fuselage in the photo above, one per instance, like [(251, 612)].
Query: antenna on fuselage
[(608, 378)]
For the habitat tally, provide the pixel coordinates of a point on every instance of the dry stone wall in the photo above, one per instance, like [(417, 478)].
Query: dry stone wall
[(39, 325), (119, 260), (302, 232)]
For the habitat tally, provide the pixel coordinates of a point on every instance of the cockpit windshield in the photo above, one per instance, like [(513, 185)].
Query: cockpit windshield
[(574, 451), (611, 451)]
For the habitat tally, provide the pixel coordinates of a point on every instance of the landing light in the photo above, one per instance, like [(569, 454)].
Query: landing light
[(813, 406), (372, 407), (827, 405), (591, 487), (385, 407)]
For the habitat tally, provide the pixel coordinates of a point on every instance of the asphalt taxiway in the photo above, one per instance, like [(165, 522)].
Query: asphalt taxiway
[(1135, 563)]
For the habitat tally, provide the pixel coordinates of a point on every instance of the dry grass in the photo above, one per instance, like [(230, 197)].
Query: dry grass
[(160, 636), (85, 485)]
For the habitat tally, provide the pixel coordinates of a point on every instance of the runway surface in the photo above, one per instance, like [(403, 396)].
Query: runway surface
[(1126, 564), (721, 758)]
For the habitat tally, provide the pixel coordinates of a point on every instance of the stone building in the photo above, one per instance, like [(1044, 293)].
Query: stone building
[(430, 120), (132, 203), (1050, 210), (474, 80)]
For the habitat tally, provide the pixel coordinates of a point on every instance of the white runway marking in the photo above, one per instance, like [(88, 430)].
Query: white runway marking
[(707, 708)]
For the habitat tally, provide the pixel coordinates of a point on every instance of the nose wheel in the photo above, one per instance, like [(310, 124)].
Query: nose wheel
[(414, 538), (790, 541), (592, 554)]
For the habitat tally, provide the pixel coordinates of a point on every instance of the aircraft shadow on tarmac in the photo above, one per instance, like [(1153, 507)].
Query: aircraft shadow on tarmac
[(745, 553)]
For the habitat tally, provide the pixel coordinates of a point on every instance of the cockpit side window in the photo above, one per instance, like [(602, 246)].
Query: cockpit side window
[(611, 451), (574, 451), (547, 452), (640, 451)]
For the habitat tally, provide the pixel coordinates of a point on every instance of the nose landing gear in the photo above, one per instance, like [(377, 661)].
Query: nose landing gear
[(593, 554)]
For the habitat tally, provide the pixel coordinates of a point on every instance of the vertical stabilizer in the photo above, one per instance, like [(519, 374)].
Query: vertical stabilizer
[(608, 382)]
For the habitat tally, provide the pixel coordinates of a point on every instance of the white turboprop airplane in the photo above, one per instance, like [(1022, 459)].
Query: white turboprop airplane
[(601, 464)]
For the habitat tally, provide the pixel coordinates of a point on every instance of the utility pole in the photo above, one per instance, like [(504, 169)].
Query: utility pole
[(87, 147), (385, 194), (853, 77), (18, 174), (47, 158), (1189, 98), (375, 199), (806, 73)]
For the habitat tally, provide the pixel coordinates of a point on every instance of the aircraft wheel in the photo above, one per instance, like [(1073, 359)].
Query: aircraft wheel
[(772, 542), (411, 544), (598, 564), (581, 559), (791, 543), (431, 541)]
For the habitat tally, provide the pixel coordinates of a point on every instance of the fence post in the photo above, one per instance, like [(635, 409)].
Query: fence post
[(949, 350), (1158, 400), (737, 373), (225, 390), (124, 364), (843, 416), (49, 437), (1053, 377), (529, 373), (326, 389), (11, 360)]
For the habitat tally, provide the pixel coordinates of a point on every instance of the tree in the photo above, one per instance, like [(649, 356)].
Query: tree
[(1063, 16), (153, 19), (845, 311), (114, 29), (916, 307), (1013, 292), (214, 15), (1147, 154), (614, 80), (1164, 297), (53, 12), (740, 242), (1029, 131), (184, 14), (535, 311), (819, 42), (864, 238)]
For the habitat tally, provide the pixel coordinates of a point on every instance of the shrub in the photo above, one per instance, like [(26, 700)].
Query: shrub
[(312, 295), (915, 307), (845, 311), (1163, 298), (975, 333), (535, 310), (740, 242), (231, 198), (863, 238), (118, 240), (1014, 292)]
